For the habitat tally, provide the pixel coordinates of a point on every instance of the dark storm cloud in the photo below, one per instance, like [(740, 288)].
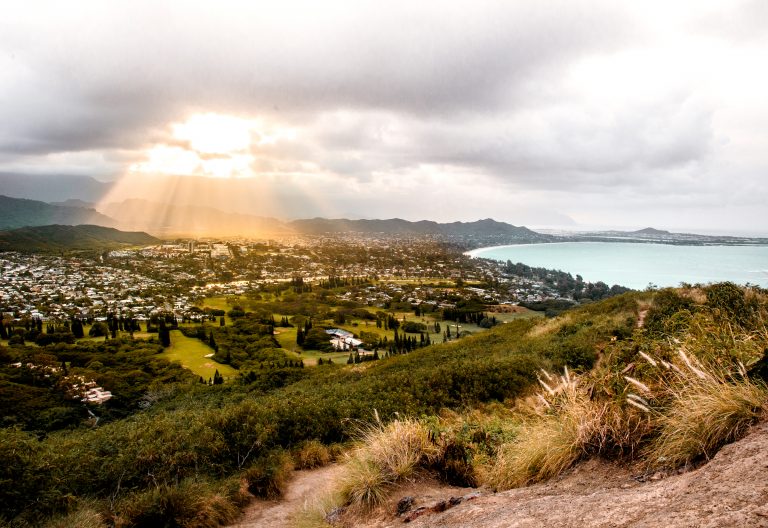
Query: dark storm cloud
[(100, 78)]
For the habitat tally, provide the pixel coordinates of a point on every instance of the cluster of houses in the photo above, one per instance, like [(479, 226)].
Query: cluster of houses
[(173, 276), (56, 288)]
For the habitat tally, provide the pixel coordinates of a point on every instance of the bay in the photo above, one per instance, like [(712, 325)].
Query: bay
[(636, 265)]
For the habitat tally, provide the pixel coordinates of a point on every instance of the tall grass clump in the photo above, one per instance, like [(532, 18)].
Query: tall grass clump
[(706, 407), (388, 455), (567, 429)]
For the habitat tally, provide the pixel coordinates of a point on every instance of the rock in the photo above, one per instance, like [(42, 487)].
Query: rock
[(334, 516), (404, 505)]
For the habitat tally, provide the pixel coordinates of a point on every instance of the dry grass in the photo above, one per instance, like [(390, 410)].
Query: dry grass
[(269, 478), (84, 517), (315, 513), (547, 445), (388, 455), (707, 408)]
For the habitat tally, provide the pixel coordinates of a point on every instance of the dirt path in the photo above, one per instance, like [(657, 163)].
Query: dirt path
[(277, 514), (641, 318)]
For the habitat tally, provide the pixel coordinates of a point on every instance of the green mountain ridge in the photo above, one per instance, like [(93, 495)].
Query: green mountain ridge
[(65, 237), (20, 212)]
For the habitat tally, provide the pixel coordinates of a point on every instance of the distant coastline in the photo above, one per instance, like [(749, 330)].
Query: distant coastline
[(640, 264)]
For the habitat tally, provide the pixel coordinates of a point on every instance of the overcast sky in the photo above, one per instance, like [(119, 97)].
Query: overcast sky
[(633, 114)]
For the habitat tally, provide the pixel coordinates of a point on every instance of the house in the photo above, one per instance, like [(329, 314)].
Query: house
[(343, 340)]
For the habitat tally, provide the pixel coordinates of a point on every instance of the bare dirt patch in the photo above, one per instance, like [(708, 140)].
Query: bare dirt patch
[(304, 487)]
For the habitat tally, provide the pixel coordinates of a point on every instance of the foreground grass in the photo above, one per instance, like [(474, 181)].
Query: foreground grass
[(191, 354)]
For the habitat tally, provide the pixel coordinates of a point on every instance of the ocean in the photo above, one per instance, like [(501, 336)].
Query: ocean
[(638, 265)]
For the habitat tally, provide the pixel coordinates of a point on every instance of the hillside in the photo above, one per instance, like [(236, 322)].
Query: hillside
[(17, 212), (485, 232), (516, 409), (729, 491), (63, 237)]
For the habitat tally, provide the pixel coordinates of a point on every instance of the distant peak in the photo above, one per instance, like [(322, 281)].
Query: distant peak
[(652, 231)]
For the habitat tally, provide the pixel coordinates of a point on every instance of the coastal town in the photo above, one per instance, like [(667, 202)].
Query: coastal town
[(173, 277)]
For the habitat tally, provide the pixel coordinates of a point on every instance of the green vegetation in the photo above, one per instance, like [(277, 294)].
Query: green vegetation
[(50, 238), (191, 353), (170, 446), (17, 213), (674, 405)]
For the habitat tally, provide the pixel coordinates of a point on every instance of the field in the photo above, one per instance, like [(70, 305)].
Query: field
[(191, 354)]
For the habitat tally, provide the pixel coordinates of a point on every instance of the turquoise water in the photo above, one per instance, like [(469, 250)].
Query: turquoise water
[(637, 265)]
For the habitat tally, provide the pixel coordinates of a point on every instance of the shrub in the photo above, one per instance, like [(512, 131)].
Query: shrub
[(268, 477), (312, 454), (190, 504)]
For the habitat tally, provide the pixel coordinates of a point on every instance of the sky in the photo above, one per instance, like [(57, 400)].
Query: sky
[(543, 113)]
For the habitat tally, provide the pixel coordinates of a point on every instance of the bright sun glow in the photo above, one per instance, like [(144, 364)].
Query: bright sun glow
[(215, 134), (212, 145)]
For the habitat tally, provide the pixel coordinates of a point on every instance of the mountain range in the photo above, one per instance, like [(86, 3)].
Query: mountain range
[(17, 212), (170, 220)]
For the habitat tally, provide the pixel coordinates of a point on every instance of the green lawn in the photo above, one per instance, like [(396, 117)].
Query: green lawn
[(191, 354)]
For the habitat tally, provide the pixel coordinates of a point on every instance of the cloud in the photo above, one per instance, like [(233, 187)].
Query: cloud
[(593, 98)]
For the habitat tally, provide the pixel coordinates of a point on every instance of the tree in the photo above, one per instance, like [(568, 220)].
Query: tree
[(164, 334), (317, 339), (98, 329), (77, 329), (218, 379)]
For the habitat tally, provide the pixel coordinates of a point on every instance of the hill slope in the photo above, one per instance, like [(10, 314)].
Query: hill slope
[(728, 491), (17, 212), (62, 237)]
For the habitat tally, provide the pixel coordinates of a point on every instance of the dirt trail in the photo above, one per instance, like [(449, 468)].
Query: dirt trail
[(277, 514), (641, 318)]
